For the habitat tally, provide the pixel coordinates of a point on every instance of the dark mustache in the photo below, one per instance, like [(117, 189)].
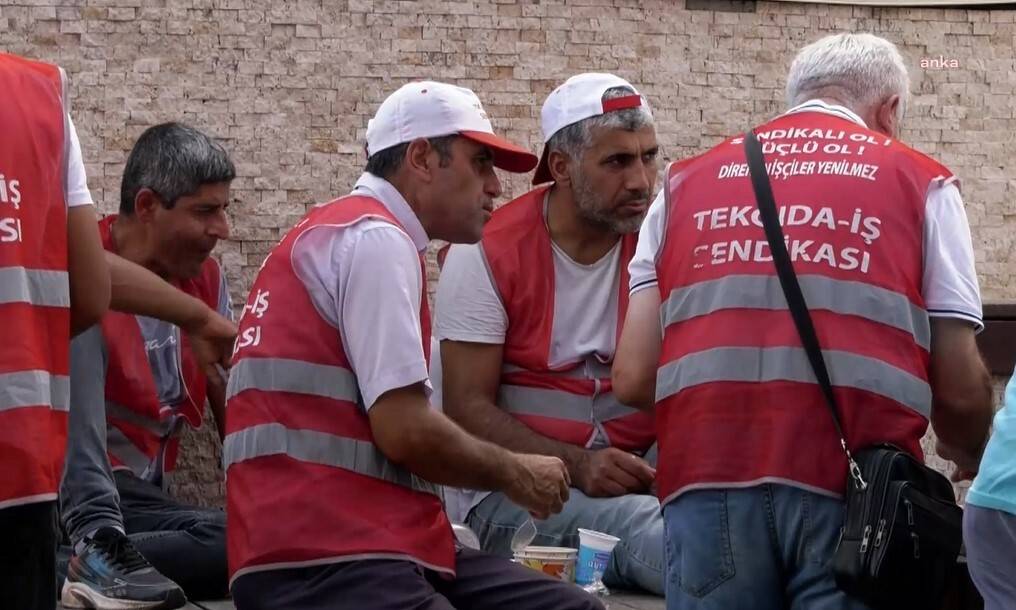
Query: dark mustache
[(641, 198)]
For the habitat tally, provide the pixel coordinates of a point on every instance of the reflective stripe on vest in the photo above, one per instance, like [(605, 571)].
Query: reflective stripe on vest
[(588, 369), (287, 375), (763, 292), (118, 411), (752, 364), (318, 448), (42, 287), (34, 389), (121, 447), (557, 404)]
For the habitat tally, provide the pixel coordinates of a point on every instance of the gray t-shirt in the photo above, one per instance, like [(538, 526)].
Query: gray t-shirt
[(162, 341)]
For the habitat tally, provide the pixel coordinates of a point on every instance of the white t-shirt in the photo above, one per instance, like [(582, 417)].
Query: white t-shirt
[(366, 281), (77, 183), (949, 285), (468, 308)]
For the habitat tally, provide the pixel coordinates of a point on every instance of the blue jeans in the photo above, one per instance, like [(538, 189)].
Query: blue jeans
[(186, 543), (637, 561), (765, 548)]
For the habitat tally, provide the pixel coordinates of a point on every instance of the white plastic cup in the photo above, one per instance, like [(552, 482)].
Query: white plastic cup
[(555, 561), (465, 536), (594, 555)]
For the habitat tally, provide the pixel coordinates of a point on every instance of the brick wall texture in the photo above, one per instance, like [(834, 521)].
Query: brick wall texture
[(289, 86)]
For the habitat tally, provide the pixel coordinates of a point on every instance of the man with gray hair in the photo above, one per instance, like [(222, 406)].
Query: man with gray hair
[(528, 320), (751, 471), (173, 200)]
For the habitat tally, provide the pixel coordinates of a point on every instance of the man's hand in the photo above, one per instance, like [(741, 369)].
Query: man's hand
[(540, 485), (611, 472), (211, 336), (966, 465)]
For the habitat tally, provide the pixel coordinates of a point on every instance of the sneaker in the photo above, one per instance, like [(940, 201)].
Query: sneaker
[(110, 574)]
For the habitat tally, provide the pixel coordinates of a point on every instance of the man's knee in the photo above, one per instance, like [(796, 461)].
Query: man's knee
[(210, 527)]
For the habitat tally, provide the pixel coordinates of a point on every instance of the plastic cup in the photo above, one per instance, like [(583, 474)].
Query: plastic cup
[(555, 561), (594, 555)]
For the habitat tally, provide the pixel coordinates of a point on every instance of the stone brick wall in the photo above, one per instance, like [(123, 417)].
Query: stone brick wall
[(289, 87)]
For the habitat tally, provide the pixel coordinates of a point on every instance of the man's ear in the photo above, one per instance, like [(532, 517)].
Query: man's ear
[(417, 159), (888, 117), (146, 202), (559, 164)]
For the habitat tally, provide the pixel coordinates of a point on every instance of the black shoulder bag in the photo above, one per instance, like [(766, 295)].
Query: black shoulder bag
[(902, 529)]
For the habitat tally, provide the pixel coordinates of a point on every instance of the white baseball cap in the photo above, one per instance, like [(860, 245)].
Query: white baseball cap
[(429, 109), (579, 98)]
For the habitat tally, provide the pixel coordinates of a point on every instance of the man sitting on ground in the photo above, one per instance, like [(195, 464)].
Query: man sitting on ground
[(174, 195), (528, 321)]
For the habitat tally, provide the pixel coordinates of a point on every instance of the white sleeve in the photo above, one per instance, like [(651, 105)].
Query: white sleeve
[(949, 285), (366, 281), (77, 182), (468, 306), (642, 268)]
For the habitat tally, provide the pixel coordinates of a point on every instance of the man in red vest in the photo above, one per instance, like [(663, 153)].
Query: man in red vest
[(751, 474), (137, 381), (333, 453), (56, 283), (528, 321)]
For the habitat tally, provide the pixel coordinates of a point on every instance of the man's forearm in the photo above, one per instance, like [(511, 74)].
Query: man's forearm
[(493, 424), (964, 427), (440, 451), (137, 290)]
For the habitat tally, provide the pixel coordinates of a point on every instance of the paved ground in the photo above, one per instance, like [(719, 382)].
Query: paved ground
[(616, 601)]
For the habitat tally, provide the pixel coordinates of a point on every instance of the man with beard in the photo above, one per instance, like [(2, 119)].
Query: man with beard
[(528, 320)]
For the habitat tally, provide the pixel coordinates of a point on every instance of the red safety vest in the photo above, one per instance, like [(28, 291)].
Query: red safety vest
[(305, 483), (34, 290), (564, 402), (138, 427), (737, 403)]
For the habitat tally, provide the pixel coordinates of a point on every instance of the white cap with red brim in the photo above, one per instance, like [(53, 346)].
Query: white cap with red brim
[(579, 98), (429, 109)]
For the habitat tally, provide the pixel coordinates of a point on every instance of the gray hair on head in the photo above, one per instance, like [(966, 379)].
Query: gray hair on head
[(862, 68), (574, 139), (173, 160)]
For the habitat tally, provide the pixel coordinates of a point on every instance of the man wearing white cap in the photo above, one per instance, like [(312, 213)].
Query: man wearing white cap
[(332, 452), (528, 320)]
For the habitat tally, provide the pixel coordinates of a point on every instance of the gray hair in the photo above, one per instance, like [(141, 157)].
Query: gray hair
[(573, 140), (863, 68), (384, 163), (173, 160)]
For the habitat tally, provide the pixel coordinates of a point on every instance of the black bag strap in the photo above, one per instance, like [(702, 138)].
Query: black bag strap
[(792, 289)]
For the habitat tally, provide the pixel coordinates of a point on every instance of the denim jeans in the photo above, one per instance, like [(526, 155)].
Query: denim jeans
[(187, 544), (637, 562), (765, 548)]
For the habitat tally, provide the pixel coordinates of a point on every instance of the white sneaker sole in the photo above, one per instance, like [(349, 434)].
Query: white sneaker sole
[(79, 595)]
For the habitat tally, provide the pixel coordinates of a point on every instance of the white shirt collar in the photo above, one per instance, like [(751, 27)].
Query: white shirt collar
[(817, 105), (383, 191)]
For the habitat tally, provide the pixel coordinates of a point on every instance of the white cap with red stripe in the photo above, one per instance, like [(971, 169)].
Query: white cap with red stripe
[(429, 109), (579, 98)]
